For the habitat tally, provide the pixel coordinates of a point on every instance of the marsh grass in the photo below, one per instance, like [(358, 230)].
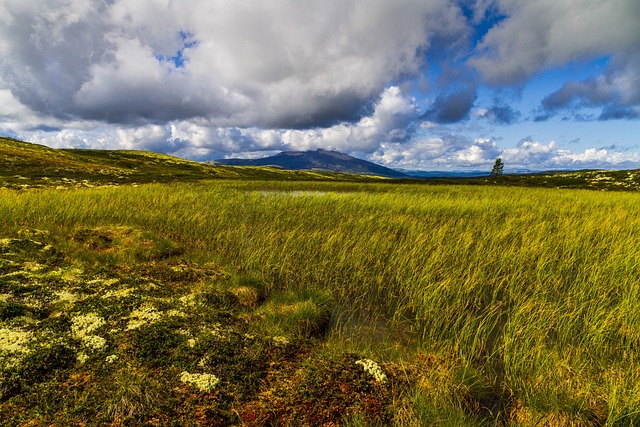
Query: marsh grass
[(529, 297)]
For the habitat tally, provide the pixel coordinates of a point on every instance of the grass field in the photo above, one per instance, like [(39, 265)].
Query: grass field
[(142, 289), (311, 303)]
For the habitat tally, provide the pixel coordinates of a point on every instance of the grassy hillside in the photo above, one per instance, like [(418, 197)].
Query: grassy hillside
[(26, 165)]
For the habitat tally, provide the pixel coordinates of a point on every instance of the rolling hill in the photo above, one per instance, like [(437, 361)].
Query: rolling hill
[(27, 165), (324, 160)]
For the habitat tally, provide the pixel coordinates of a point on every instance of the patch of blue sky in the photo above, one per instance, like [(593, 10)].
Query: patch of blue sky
[(180, 59), (482, 25), (553, 79), (573, 135)]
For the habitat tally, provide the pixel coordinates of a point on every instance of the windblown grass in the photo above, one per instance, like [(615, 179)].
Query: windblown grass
[(498, 304)]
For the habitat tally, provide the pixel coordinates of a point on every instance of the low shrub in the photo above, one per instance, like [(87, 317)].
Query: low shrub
[(156, 343), (38, 366)]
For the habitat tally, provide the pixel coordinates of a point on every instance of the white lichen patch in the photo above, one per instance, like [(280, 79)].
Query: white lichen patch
[(103, 282), (66, 296), (94, 343), (111, 359), (119, 293), (188, 300), (203, 382), (82, 358), (373, 369), (146, 313), (14, 341), (278, 340), (85, 325)]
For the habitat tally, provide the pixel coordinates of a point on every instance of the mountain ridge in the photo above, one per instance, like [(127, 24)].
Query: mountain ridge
[(320, 159)]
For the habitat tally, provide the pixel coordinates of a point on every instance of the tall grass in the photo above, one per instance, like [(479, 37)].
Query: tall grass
[(536, 289)]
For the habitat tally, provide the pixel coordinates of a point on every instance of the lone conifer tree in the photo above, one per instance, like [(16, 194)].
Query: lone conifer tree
[(497, 168)]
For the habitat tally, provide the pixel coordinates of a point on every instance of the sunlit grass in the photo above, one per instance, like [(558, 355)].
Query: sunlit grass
[(526, 300)]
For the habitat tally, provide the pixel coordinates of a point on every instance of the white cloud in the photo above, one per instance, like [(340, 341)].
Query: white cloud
[(536, 35), (536, 155), (287, 64), (213, 78)]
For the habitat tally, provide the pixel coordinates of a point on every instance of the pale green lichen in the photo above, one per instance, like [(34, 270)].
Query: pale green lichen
[(119, 293), (176, 313), (13, 347), (66, 274), (146, 313), (203, 382), (373, 369), (218, 331), (85, 325), (66, 296), (14, 341), (202, 363), (188, 300), (103, 282), (82, 358), (111, 359), (33, 267), (94, 342), (278, 340)]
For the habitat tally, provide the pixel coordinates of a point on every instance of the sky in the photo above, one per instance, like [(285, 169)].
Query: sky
[(410, 84)]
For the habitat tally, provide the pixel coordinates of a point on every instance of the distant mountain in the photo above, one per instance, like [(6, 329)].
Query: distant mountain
[(324, 160)]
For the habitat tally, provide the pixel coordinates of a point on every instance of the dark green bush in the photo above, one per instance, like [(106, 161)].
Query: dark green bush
[(156, 343), (40, 365), (9, 310)]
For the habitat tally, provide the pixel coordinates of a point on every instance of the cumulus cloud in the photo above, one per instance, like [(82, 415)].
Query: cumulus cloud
[(401, 82), (536, 35), (500, 114), (448, 152), (616, 93), (455, 152), (392, 120), (531, 154), (288, 64), (452, 107)]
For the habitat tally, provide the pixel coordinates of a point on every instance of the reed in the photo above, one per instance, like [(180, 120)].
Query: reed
[(537, 290)]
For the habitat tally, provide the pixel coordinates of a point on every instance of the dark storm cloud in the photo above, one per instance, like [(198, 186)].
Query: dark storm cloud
[(214, 77), (618, 113), (452, 107), (537, 35), (616, 93), (588, 91), (291, 64), (502, 114)]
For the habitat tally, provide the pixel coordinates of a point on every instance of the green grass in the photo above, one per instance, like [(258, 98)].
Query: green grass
[(24, 165), (491, 304), (249, 301)]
